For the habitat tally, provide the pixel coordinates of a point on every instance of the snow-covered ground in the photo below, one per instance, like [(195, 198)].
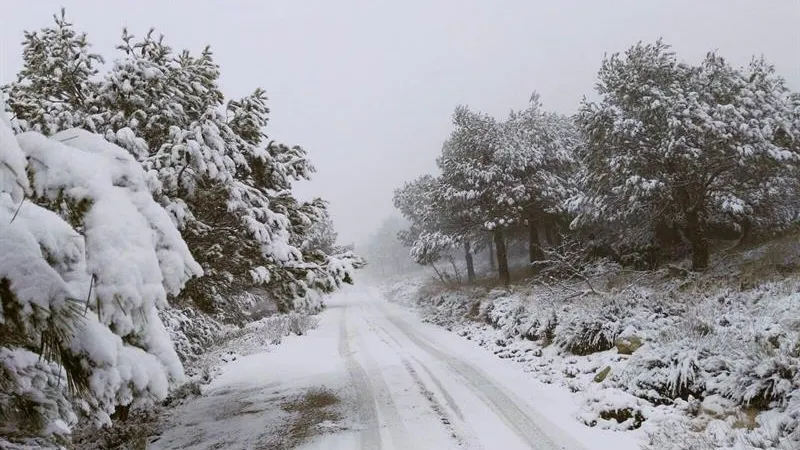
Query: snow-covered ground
[(396, 383), (686, 361)]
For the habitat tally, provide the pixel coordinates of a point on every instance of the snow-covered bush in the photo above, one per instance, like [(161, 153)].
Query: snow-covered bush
[(766, 378), (299, 324), (192, 332), (612, 409), (591, 331), (663, 373), (274, 328), (79, 327), (769, 373)]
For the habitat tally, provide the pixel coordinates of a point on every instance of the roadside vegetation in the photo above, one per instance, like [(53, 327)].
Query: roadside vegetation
[(643, 252), (145, 218)]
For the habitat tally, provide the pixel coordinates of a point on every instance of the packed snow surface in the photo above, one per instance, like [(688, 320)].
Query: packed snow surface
[(403, 384)]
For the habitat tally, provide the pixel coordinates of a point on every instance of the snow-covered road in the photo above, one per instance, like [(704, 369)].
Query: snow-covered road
[(404, 385)]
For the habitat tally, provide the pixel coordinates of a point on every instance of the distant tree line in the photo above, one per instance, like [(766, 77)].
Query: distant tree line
[(670, 156)]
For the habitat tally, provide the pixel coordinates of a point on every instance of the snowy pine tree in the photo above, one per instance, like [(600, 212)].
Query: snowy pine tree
[(138, 98), (80, 289), (321, 235), (416, 201), (473, 184), (207, 162), (496, 177), (55, 86), (538, 156), (686, 144)]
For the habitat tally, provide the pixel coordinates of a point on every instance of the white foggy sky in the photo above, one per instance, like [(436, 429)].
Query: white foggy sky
[(367, 87)]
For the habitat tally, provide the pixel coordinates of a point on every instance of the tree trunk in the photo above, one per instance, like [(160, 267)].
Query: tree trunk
[(456, 272), (534, 250), (470, 265), (439, 274), (121, 413), (696, 229), (502, 257), (492, 261), (746, 226), (553, 236)]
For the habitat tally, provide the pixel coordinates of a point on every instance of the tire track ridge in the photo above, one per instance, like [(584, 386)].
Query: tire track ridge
[(367, 407), (500, 402), (437, 407), (387, 408)]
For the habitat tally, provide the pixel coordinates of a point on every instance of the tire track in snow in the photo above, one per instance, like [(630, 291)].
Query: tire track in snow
[(437, 407), (447, 397), (367, 409), (389, 415), (504, 406), (434, 403)]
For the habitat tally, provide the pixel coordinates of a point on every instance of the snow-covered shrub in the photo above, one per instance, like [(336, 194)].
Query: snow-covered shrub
[(80, 298), (273, 329), (505, 314), (661, 374), (447, 308), (547, 331), (276, 331), (587, 336), (783, 426), (765, 378), (192, 332), (590, 331), (299, 324), (677, 434), (685, 351), (612, 409)]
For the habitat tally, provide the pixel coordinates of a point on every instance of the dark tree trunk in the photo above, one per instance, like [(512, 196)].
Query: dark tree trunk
[(534, 250), (502, 257), (745, 236), (470, 265), (492, 261), (553, 237), (121, 413), (696, 231)]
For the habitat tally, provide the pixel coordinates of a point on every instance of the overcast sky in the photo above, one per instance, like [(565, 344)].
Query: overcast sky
[(367, 87)]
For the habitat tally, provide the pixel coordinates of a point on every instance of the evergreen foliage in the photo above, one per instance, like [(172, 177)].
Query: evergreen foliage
[(109, 184)]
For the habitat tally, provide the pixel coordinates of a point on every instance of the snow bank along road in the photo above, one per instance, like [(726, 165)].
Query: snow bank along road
[(404, 384)]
